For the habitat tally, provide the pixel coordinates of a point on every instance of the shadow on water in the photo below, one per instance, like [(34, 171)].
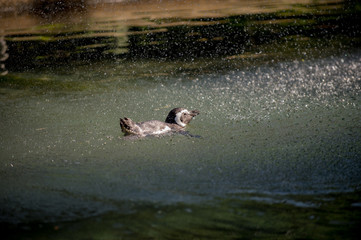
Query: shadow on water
[(83, 38), (227, 219), (278, 88)]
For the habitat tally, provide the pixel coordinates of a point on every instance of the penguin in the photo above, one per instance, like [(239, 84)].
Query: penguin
[(176, 121)]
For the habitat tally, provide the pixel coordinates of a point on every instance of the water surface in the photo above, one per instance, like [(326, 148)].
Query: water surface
[(278, 157)]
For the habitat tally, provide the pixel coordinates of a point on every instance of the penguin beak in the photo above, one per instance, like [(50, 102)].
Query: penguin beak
[(194, 113)]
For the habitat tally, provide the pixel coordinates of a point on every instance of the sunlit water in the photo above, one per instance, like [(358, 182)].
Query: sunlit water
[(278, 157), (269, 134)]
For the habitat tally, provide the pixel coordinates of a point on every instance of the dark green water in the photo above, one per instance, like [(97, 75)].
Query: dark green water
[(279, 96)]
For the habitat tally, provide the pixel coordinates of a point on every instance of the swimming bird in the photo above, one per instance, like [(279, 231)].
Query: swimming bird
[(176, 121)]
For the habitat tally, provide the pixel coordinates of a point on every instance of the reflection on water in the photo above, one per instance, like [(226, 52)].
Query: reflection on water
[(174, 29), (278, 87), (3, 56)]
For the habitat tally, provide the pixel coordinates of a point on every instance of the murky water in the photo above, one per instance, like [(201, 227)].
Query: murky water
[(278, 157)]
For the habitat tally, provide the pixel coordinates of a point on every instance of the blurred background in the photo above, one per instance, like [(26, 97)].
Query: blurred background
[(278, 86), (39, 33)]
